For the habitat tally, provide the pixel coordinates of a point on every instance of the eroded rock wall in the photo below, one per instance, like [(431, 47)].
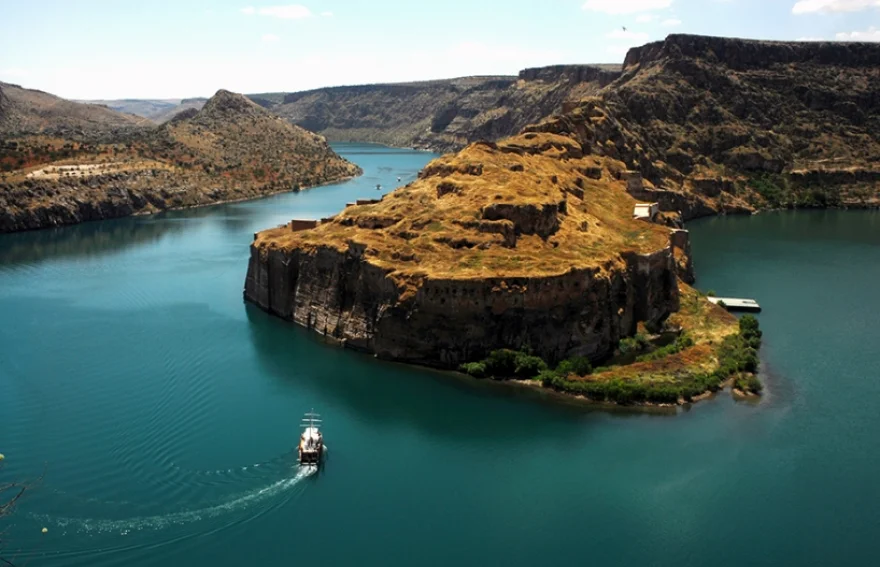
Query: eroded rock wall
[(446, 322)]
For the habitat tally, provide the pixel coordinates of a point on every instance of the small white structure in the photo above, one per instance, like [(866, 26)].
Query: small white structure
[(736, 304), (646, 211)]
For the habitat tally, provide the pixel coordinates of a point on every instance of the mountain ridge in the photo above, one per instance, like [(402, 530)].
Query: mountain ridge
[(231, 150)]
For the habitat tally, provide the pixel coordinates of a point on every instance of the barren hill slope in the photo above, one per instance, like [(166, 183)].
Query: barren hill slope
[(232, 149), (27, 111)]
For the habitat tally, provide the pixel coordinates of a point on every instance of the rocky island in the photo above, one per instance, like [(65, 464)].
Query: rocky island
[(522, 258), (63, 162)]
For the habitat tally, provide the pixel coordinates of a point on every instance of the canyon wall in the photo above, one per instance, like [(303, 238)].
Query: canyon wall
[(443, 115), (446, 322)]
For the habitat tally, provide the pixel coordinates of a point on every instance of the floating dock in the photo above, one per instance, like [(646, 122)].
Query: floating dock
[(736, 304)]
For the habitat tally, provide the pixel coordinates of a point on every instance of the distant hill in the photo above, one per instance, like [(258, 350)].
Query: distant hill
[(443, 114), (156, 110), (231, 149), (27, 111)]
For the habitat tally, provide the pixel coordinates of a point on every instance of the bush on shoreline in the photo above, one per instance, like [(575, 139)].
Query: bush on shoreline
[(737, 356)]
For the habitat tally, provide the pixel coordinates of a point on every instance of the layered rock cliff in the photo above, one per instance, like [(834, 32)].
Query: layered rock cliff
[(728, 125), (527, 243), (232, 149), (442, 115)]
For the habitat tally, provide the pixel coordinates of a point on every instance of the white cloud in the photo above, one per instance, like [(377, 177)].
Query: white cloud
[(646, 18), (289, 12), (671, 23), (270, 38), (826, 6), (625, 6), (636, 37), (872, 34), (327, 14), (808, 38)]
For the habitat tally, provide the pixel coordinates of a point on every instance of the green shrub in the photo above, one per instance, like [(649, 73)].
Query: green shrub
[(475, 369), (636, 343), (501, 362), (682, 342), (549, 378), (578, 365), (528, 366), (710, 293), (748, 327)]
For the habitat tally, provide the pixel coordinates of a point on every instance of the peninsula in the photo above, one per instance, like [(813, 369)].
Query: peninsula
[(63, 162), (523, 259)]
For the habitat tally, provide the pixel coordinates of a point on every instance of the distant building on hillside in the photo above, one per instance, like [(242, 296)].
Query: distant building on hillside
[(646, 211)]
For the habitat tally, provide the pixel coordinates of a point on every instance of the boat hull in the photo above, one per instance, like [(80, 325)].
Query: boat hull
[(311, 456)]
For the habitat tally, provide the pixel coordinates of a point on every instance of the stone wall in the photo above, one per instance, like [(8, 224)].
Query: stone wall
[(447, 321)]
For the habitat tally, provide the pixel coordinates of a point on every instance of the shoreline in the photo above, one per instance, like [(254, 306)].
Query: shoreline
[(146, 213), (530, 386)]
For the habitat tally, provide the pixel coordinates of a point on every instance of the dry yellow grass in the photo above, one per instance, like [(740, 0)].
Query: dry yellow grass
[(433, 226), (706, 323)]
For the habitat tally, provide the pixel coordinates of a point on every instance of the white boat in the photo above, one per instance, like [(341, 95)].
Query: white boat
[(311, 442)]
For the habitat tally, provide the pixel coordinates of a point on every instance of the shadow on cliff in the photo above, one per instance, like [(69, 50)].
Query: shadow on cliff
[(438, 403)]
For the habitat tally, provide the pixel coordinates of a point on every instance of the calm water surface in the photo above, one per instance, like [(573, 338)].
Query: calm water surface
[(165, 413)]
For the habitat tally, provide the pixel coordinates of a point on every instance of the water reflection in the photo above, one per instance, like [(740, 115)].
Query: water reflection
[(86, 240), (390, 393)]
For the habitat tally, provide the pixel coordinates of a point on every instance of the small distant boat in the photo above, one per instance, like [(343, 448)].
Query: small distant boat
[(311, 442), (378, 187), (398, 179)]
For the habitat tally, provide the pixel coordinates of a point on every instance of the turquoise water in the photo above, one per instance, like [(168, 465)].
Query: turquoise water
[(165, 414)]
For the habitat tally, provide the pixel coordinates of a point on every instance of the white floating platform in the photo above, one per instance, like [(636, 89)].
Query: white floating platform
[(736, 304)]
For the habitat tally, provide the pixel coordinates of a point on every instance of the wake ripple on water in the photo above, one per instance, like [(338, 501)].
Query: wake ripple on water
[(158, 522)]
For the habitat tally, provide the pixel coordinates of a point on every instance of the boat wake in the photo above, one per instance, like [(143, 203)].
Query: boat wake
[(158, 522)]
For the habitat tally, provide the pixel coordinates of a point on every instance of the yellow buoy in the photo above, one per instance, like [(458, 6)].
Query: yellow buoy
[(2, 456), (45, 530)]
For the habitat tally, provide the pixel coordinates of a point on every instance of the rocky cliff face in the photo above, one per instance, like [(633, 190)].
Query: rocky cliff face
[(519, 244), (442, 115), (728, 125), (451, 321), (230, 150)]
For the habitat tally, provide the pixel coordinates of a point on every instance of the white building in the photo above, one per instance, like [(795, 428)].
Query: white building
[(646, 211)]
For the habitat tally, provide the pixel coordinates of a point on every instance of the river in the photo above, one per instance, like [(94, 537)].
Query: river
[(165, 413)]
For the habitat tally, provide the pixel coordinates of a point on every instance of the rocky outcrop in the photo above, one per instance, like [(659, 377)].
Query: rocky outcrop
[(602, 75), (542, 219), (583, 312), (507, 245)]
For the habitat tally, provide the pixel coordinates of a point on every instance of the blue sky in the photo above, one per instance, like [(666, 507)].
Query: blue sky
[(167, 49)]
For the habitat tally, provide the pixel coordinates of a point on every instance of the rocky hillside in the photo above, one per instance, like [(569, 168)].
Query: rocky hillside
[(717, 124), (512, 257), (25, 111), (524, 243), (230, 150), (441, 115)]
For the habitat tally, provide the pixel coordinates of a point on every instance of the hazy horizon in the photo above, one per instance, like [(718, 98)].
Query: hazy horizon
[(173, 50)]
